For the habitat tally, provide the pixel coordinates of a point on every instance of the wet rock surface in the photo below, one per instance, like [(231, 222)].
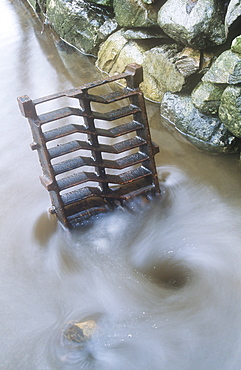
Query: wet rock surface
[(233, 13), (178, 42), (230, 109), (78, 333), (135, 13), (194, 23), (207, 96), (85, 25), (225, 70), (205, 132)]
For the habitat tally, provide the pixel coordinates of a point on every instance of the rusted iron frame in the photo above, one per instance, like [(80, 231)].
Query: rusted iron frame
[(133, 76)]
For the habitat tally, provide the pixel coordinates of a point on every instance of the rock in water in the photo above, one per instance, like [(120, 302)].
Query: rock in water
[(82, 24), (205, 132), (78, 333), (230, 109)]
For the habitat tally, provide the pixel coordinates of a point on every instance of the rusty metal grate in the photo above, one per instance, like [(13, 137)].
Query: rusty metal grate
[(60, 149)]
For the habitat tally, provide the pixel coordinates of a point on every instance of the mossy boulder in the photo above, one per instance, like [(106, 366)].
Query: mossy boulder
[(225, 70), (205, 132), (83, 24), (230, 109), (206, 97)]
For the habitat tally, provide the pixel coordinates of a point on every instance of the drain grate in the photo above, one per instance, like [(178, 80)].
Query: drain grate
[(88, 168)]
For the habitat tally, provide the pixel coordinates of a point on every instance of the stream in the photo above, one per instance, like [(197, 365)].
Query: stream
[(162, 281)]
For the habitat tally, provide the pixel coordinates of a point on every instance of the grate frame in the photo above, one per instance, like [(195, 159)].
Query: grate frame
[(74, 205)]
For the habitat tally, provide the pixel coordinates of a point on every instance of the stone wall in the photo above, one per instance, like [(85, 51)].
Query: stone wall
[(189, 50)]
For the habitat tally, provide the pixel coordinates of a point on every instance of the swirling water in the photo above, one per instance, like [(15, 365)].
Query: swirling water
[(162, 280)]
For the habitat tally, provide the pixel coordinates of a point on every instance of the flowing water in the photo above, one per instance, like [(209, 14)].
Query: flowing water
[(163, 282)]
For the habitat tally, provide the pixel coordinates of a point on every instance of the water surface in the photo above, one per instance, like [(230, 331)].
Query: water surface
[(162, 281)]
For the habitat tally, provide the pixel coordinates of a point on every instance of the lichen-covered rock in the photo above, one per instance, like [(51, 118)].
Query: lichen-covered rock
[(236, 45), (225, 70), (206, 97), (160, 73), (134, 13), (230, 109), (233, 12), (110, 50), (84, 25), (188, 61), (205, 132), (117, 51), (195, 23)]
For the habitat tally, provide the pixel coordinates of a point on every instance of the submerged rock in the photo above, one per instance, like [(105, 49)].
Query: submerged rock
[(195, 23), (226, 69), (230, 109), (206, 97), (78, 333), (205, 132), (84, 25)]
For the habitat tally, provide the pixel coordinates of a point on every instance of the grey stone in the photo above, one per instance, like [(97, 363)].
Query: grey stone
[(76, 334), (196, 23), (134, 13), (144, 34), (205, 132), (116, 52), (188, 61), (226, 69), (233, 12), (236, 45), (206, 97), (82, 24), (230, 109), (160, 73)]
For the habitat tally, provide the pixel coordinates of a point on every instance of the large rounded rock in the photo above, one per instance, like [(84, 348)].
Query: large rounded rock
[(206, 97), (225, 70), (84, 25), (230, 109), (109, 51), (135, 13), (195, 23), (205, 132)]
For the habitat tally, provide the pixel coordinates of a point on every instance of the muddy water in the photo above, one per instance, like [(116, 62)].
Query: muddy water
[(163, 282)]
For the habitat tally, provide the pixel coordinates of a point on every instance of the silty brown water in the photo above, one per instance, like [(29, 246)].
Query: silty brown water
[(162, 282)]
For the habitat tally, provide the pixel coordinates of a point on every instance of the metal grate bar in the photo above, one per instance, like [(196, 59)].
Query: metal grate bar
[(132, 159)]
